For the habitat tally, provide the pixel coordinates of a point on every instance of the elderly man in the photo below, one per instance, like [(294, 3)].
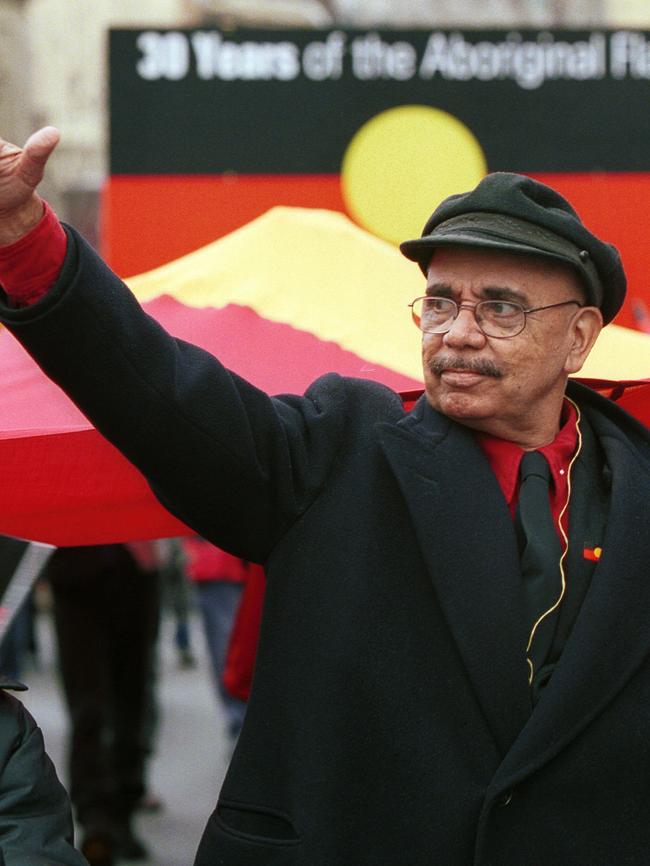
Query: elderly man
[(454, 660)]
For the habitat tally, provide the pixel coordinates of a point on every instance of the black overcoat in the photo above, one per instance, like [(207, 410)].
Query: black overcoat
[(390, 720)]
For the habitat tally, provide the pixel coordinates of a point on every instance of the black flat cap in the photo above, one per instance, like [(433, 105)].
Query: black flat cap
[(514, 213)]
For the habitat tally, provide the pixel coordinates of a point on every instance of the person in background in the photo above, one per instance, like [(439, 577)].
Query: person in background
[(218, 579), (105, 605), (177, 597), (242, 649)]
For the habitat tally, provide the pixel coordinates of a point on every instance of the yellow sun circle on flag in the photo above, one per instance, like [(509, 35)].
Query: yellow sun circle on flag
[(401, 164)]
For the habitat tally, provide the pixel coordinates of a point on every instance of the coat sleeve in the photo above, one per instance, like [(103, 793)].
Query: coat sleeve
[(35, 817), (237, 466)]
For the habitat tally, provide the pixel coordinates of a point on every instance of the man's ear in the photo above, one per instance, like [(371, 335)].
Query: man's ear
[(584, 330)]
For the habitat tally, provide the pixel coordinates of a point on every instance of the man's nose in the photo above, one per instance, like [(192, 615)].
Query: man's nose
[(464, 329)]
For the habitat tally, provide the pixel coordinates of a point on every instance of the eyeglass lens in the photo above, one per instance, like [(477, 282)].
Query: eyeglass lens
[(495, 318)]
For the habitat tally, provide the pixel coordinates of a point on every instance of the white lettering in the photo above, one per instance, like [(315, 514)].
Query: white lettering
[(436, 57), (247, 61), (324, 60), (164, 55), (629, 55), (373, 58), (529, 66), (529, 63)]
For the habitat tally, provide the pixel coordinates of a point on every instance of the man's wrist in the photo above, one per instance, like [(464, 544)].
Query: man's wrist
[(20, 222), (31, 265)]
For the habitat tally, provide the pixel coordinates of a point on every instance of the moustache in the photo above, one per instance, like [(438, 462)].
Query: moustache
[(471, 365)]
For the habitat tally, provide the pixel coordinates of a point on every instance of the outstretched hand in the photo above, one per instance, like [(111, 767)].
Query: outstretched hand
[(21, 170)]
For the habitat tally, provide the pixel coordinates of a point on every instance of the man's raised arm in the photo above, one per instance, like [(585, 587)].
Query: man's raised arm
[(229, 461)]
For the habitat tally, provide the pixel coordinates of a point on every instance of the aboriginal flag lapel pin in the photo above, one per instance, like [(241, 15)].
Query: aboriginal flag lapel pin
[(593, 554)]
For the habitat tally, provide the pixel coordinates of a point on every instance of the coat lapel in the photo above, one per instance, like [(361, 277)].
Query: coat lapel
[(611, 636), (468, 543)]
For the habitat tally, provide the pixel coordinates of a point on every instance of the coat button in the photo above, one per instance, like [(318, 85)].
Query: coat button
[(506, 798)]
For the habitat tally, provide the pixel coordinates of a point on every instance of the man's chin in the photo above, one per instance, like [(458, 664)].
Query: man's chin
[(463, 408)]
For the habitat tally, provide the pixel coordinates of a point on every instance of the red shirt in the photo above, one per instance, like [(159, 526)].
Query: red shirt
[(204, 561), (505, 457), (31, 265)]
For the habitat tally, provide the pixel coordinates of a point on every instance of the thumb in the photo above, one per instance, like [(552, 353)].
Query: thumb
[(36, 153)]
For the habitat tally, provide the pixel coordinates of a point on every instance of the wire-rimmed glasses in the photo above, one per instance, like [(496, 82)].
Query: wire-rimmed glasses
[(499, 319)]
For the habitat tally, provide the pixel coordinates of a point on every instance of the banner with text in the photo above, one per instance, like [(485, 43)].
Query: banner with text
[(208, 129)]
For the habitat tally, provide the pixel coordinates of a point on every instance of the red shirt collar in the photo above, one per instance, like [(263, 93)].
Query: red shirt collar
[(505, 456)]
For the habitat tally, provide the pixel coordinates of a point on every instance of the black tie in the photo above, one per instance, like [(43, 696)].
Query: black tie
[(541, 550)]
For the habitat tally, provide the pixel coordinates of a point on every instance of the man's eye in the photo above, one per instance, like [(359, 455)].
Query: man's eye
[(501, 309), (437, 305)]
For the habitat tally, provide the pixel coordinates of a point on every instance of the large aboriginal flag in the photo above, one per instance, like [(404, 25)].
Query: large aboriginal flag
[(208, 129)]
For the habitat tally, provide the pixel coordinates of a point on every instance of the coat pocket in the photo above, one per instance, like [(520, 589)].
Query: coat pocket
[(241, 834)]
